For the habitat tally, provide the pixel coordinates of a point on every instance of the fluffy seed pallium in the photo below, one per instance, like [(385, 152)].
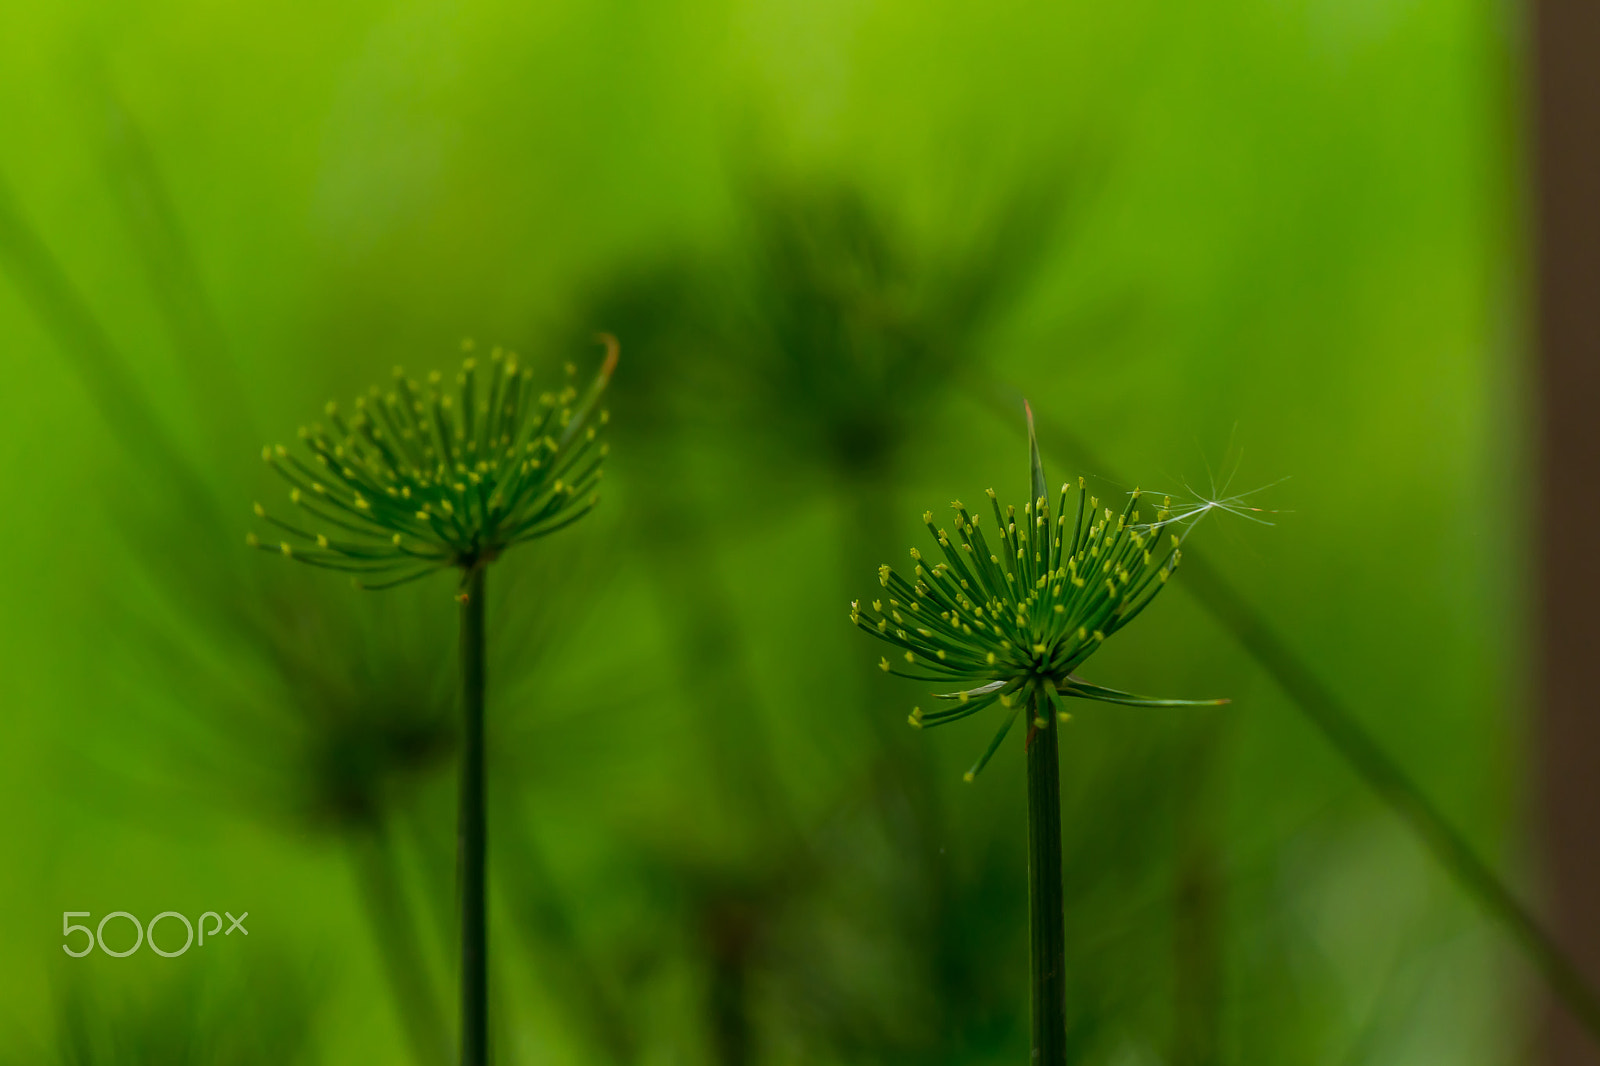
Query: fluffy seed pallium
[(422, 477), (1024, 612)]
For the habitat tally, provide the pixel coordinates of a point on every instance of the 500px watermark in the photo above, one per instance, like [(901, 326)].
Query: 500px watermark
[(143, 934)]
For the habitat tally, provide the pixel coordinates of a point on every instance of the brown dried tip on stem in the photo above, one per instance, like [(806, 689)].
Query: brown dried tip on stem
[(613, 351)]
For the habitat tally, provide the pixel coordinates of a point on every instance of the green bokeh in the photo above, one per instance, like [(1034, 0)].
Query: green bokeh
[(1273, 240)]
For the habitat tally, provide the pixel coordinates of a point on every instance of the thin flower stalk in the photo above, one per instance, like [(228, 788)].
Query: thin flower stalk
[(419, 479), (1007, 617)]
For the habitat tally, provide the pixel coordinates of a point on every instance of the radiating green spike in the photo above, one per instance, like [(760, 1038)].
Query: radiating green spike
[(1083, 690), (994, 745)]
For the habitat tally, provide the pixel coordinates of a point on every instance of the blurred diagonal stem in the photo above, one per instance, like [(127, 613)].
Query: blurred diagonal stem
[(174, 276), (473, 836), (1341, 728), (1385, 777), (545, 922), (46, 288), (1047, 943), (394, 927)]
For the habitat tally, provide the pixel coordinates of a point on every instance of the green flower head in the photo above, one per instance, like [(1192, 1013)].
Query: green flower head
[(1009, 619), (419, 478)]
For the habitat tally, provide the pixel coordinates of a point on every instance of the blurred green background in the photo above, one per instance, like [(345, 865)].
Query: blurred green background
[(838, 242)]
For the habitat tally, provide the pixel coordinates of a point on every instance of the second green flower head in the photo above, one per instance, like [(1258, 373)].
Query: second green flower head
[(1009, 620)]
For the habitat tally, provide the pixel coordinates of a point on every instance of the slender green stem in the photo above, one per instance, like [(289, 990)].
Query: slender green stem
[(1047, 948), (1199, 903), (728, 932), (473, 840)]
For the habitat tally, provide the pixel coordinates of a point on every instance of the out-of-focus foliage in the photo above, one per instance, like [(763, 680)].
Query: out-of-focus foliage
[(205, 1016), (1267, 240)]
